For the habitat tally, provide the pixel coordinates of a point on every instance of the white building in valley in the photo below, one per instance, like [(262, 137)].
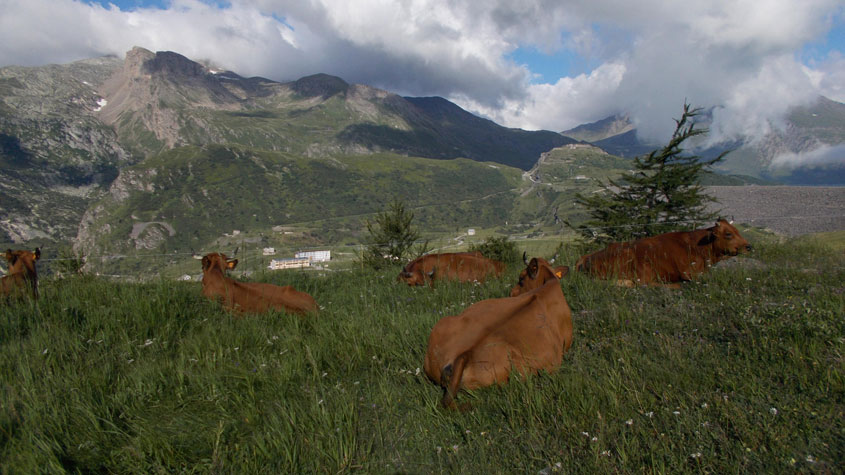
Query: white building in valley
[(289, 263), (314, 256)]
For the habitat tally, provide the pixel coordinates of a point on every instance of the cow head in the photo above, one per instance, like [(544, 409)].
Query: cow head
[(413, 275), (725, 240), (23, 261), (537, 272), (218, 261)]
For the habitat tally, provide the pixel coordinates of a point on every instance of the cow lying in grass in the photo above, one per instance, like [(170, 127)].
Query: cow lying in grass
[(460, 266), (22, 278), (249, 297), (527, 332), (666, 259)]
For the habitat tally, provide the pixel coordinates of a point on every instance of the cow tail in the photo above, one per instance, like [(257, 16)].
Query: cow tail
[(450, 379)]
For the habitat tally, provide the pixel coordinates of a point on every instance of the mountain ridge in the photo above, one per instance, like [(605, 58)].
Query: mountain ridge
[(159, 152), (806, 128), (68, 131)]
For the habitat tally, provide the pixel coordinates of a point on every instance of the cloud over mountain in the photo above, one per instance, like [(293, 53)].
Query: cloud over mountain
[(646, 58)]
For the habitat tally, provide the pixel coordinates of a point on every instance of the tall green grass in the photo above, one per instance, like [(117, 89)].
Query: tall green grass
[(739, 372)]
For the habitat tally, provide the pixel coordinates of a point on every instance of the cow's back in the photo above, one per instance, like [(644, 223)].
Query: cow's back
[(617, 259), (256, 297), (265, 296), (670, 257), (465, 267), (528, 332)]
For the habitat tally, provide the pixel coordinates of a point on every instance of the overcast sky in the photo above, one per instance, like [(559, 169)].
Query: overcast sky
[(534, 64)]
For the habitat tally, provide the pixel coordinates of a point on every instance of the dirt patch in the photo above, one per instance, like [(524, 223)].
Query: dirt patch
[(789, 210)]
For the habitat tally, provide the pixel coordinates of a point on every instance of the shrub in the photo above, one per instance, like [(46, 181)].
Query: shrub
[(498, 248)]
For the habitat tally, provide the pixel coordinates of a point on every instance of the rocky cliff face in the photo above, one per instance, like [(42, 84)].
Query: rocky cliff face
[(55, 155)]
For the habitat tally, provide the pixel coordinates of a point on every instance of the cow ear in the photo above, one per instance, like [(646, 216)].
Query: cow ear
[(708, 239), (561, 271), (532, 268), (37, 253), (205, 262), (9, 255), (231, 264)]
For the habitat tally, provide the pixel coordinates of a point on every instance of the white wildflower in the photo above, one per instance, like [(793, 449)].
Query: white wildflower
[(629, 422), (774, 411)]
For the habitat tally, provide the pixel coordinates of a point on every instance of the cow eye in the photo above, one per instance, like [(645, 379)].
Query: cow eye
[(728, 235)]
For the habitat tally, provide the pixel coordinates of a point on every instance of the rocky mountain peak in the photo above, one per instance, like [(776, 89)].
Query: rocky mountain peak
[(173, 64), (136, 58), (320, 85)]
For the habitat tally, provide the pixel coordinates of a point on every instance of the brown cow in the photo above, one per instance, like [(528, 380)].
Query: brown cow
[(460, 266), (665, 259), (22, 273), (529, 331), (249, 297)]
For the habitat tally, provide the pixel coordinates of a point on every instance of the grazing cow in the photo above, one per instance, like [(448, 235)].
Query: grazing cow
[(22, 275), (526, 332), (249, 297), (665, 259), (460, 266)]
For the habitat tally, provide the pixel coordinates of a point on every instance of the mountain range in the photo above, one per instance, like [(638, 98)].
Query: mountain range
[(805, 129), (159, 152)]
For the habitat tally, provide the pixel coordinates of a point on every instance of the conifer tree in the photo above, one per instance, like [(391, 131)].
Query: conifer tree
[(661, 194), (392, 236)]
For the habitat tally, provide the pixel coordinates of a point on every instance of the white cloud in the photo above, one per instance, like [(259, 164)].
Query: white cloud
[(650, 55), (824, 155), (829, 76), (563, 105)]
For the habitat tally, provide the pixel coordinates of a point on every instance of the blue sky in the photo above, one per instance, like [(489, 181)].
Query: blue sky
[(534, 64)]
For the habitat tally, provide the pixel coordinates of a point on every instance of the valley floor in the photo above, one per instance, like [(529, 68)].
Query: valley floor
[(789, 210)]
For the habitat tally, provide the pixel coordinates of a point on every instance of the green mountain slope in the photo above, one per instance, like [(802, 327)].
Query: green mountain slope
[(190, 197), (67, 131)]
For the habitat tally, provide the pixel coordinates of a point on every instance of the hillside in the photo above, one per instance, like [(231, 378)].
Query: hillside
[(156, 153), (190, 197), (740, 372), (68, 131)]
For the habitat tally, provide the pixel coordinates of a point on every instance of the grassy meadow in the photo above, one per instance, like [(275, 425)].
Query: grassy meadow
[(739, 372)]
